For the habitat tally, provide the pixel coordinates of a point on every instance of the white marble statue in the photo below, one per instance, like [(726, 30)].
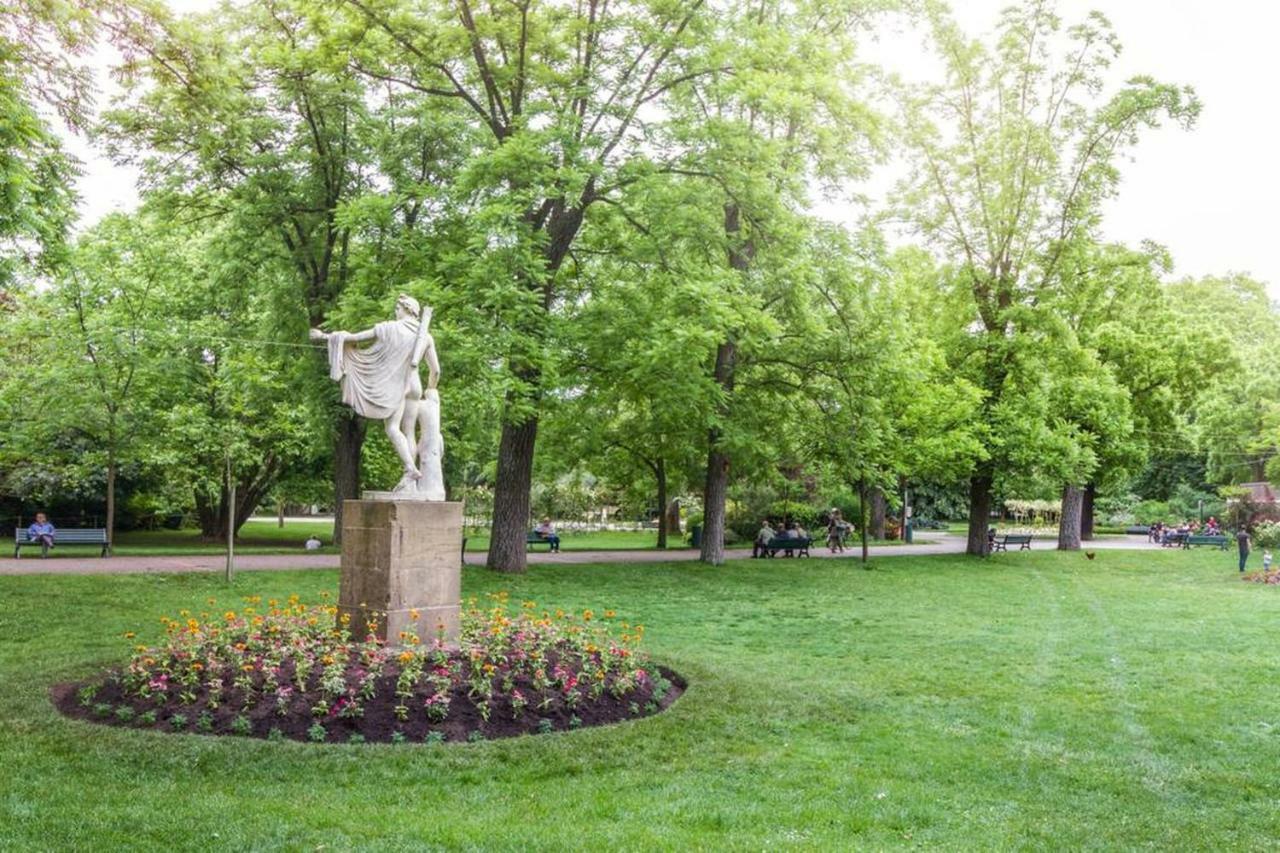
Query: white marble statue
[(381, 381)]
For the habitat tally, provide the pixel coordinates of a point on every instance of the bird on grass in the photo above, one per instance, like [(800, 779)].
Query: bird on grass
[(1090, 554)]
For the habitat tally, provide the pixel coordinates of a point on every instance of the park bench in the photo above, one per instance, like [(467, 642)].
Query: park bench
[(1002, 543), (531, 539), (1173, 539), (1138, 530), (791, 547), (1217, 541), (64, 536)]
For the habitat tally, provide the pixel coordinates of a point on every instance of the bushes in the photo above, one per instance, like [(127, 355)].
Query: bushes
[(1267, 534)]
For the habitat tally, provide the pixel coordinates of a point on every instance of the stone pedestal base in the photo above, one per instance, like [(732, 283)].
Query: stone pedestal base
[(401, 560)]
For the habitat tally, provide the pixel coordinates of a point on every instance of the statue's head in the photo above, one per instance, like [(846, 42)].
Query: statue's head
[(407, 306)]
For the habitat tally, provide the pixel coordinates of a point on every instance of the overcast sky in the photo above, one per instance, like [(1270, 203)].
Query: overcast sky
[(1206, 194)]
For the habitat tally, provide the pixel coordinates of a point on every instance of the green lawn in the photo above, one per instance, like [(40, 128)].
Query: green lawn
[(1034, 700), (256, 537), (596, 540)]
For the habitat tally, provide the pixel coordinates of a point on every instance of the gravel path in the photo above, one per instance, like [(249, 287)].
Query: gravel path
[(933, 543)]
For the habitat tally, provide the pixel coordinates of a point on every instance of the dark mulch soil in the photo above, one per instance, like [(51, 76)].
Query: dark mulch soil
[(378, 722)]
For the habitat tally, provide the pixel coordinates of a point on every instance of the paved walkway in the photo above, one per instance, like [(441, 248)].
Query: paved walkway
[(933, 543)]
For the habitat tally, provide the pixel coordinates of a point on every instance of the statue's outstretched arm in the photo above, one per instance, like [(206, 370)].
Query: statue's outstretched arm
[(366, 335)]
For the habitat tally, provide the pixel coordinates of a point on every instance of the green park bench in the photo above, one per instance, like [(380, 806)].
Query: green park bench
[(531, 539), (1218, 541), (1002, 543), (1138, 530), (64, 536), (790, 546)]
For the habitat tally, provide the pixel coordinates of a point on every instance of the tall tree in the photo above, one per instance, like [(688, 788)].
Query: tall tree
[(244, 114), (570, 99), (1014, 154)]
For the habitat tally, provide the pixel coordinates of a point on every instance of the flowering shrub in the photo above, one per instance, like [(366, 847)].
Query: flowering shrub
[(294, 668)]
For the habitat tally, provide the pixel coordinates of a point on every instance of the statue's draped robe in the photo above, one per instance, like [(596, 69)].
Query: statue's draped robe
[(376, 378)]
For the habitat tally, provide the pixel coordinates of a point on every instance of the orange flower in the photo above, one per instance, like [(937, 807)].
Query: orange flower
[(413, 614)]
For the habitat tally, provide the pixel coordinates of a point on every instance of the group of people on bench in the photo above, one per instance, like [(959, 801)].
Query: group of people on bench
[(767, 534), (1164, 534)]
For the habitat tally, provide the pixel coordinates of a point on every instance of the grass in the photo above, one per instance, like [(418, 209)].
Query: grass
[(595, 540), (256, 537), (1034, 700)]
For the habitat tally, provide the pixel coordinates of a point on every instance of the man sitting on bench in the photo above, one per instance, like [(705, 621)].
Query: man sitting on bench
[(547, 533), (42, 531)]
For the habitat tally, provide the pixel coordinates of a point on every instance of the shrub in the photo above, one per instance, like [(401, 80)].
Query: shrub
[(1267, 534)]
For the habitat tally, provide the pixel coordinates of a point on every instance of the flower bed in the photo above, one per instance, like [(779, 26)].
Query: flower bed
[(288, 672), (1262, 577)]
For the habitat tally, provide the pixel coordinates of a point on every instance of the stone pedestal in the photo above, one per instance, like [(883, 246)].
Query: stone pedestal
[(401, 558)]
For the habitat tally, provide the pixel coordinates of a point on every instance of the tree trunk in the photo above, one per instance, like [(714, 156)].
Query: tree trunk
[(862, 517), (741, 253), (717, 484), (660, 469), (280, 513), (713, 500), (979, 514), (516, 446), (348, 440), (1069, 522), (111, 500), (511, 496), (1086, 512), (672, 511), (877, 513)]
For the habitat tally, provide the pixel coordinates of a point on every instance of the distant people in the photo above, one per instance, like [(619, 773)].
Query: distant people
[(835, 532), (1242, 543), (763, 535), (42, 531), (547, 532), (313, 543), (1266, 561)]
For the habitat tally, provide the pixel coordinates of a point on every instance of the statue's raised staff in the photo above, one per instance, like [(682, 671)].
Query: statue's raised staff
[(381, 381)]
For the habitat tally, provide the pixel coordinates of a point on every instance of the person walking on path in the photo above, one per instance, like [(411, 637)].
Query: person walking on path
[(763, 535), (835, 532), (42, 531), (1242, 542)]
